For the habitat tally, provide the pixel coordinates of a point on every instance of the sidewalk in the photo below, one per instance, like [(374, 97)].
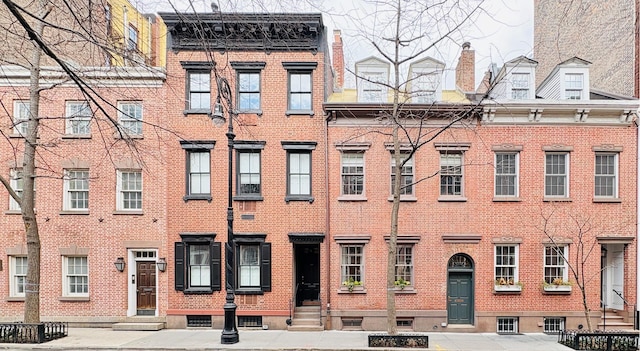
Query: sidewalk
[(209, 340)]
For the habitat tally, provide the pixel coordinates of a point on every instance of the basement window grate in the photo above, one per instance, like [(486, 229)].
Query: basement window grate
[(250, 321), (352, 323), (404, 323), (199, 321)]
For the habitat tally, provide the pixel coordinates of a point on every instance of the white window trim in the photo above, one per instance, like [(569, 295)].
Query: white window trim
[(364, 175), (362, 263), (122, 117), (12, 277), (69, 118), (20, 128), (119, 195), (13, 181), (615, 175), (66, 198), (515, 87), (516, 268), (517, 174), (65, 276), (515, 325), (410, 162), (462, 177), (255, 285), (565, 254), (567, 161)]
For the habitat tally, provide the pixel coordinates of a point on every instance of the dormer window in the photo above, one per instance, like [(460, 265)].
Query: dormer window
[(520, 86), (425, 81), (573, 83), (372, 77), (426, 87), (372, 89)]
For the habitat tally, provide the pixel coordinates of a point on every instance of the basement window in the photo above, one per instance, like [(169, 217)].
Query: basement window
[(198, 321), (250, 321), (352, 323)]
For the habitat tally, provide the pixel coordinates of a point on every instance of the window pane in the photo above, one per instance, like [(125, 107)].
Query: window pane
[(199, 265)]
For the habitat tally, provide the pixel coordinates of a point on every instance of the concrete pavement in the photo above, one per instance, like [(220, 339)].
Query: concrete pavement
[(209, 340)]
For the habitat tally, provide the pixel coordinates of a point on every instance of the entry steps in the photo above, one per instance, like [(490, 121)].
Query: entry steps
[(140, 323), (612, 320), (306, 318)]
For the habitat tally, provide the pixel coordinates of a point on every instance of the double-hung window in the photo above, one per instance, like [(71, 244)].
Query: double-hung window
[(300, 93), (352, 264), (555, 264), (75, 276), (130, 117), (451, 174), (198, 169), (76, 190), (78, 118), (298, 170), (404, 265), (573, 86), (17, 184), (506, 264), (506, 174), (132, 38), (372, 88), (198, 86), (129, 190), (556, 175), (249, 91), (520, 86), (248, 169), (352, 173), (21, 115), (197, 264), (253, 262), (17, 275), (606, 175), (406, 174), (426, 85)]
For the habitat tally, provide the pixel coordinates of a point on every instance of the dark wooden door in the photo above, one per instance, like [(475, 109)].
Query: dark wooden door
[(460, 298), (307, 272), (146, 286)]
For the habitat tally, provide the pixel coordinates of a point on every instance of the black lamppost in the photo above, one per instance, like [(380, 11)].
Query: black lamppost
[(230, 331)]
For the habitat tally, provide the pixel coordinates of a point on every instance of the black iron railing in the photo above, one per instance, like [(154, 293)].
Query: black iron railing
[(610, 340), (24, 333)]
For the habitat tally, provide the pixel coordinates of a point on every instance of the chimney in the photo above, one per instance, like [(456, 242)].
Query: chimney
[(465, 70), (338, 59)]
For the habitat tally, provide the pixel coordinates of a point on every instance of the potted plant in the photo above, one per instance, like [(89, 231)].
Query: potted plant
[(351, 283), (401, 283), (557, 285), (507, 285)]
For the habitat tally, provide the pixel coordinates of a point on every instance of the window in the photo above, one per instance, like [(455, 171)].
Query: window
[(299, 171), (507, 325), (372, 87), (404, 264), (18, 275), (249, 172), (553, 325), (300, 94), (17, 184), (253, 263), (132, 38), (506, 174), (406, 182), (556, 175), (199, 90), (573, 86), (426, 85), (555, 265), (519, 86), (506, 264), (352, 264), (76, 190), (606, 175), (248, 91), (75, 272), (197, 264), (129, 193), (78, 118), (352, 173), (451, 173), (21, 114), (198, 169), (130, 116)]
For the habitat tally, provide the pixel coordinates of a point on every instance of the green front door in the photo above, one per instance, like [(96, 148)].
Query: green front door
[(460, 297)]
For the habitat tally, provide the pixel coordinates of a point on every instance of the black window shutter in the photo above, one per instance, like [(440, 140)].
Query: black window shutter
[(216, 282), (179, 261), (265, 270)]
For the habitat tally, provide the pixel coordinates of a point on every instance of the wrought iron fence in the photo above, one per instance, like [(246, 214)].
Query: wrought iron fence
[(24, 333), (610, 340)]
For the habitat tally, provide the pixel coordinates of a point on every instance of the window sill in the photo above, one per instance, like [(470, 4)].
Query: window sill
[(69, 212), (127, 136), (607, 200), (197, 111), (557, 289), (309, 113), (352, 198), (76, 136), (406, 291), (252, 291), (452, 198), (507, 199), (356, 290), (507, 289), (248, 198), (15, 299), (12, 212), (556, 199), (74, 298), (132, 213), (250, 112), (289, 198), (192, 291), (404, 198), (16, 136), (188, 198)]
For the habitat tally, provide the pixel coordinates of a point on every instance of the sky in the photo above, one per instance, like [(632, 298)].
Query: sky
[(501, 31)]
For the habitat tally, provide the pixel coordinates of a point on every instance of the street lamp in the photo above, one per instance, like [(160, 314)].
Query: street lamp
[(230, 331)]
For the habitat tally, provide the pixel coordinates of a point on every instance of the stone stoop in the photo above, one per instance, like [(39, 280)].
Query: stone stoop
[(140, 323), (613, 321), (306, 318)]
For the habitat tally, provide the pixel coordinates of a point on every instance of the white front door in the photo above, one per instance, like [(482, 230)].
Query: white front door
[(613, 277)]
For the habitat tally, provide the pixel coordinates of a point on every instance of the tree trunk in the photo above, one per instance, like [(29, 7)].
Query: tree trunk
[(32, 284)]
